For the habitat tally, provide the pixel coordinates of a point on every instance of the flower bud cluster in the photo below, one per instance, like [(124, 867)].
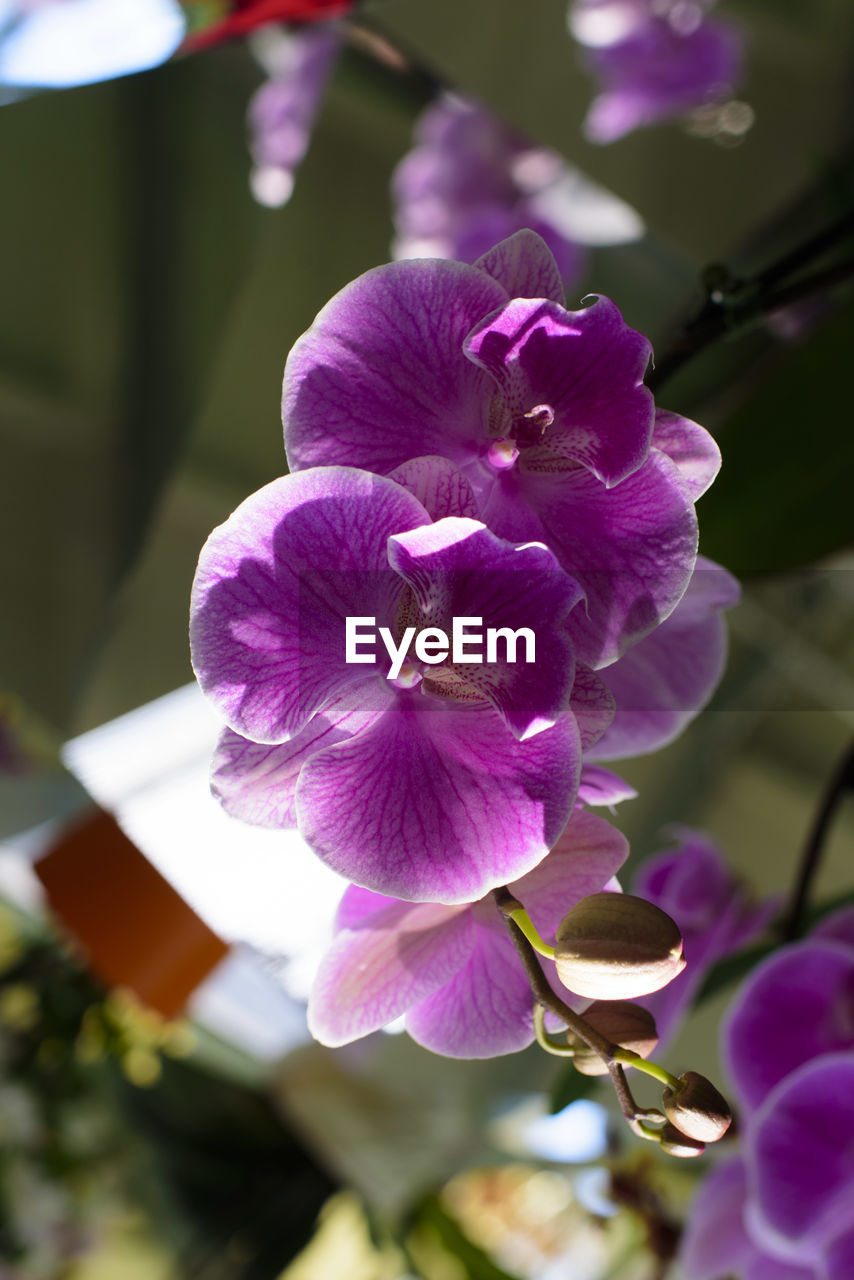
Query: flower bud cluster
[(613, 947)]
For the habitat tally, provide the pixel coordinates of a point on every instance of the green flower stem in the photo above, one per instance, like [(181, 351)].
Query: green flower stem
[(524, 922), (613, 1055), (630, 1059), (544, 995), (543, 1038)]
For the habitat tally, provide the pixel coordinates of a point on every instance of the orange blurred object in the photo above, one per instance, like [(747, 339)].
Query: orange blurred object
[(135, 929)]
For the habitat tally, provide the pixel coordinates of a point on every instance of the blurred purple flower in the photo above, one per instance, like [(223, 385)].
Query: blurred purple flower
[(654, 59), (283, 110), (539, 413), (662, 682), (472, 180), (436, 785), (714, 912), (796, 1005), (453, 970), (784, 1210)]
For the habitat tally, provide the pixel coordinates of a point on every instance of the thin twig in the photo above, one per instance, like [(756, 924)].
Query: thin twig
[(740, 304), (842, 781)]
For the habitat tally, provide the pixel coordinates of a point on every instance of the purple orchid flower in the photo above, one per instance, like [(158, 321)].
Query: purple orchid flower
[(538, 414), (799, 1156), (717, 1240), (436, 780), (282, 112), (453, 970), (715, 915), (654, 60), (784, 1209), (797, 1005), (471, 181)]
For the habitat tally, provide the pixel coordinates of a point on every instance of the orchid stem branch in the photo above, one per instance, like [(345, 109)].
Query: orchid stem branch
[(841, 782), (543, 1038), (735, 305), (524, 922), (549, 999)]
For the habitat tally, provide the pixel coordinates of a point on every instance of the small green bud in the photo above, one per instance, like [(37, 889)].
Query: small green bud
[(697, 1109), (678, 1144), (612, 946), (622, 1023)]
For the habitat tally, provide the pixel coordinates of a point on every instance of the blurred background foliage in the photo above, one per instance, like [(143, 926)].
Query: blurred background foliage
[(146, 309)]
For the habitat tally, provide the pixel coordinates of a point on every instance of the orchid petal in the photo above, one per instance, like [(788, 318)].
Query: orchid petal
[(690, 446), (274, 586), (715, 1242), (458, 569), (357, 906), (800, 1159), (439, 486), (632, 548), (599, 786), (797, 1005), (485, 1009), (378, 969), (379, 377), (525, 266), (585, 368), (661, 683), (438, 802), (256, 782), (592, 704)]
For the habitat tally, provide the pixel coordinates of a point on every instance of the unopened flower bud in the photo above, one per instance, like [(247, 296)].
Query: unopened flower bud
[(678, 1144), (697, 1109), (612, 946), (625, 1024)]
